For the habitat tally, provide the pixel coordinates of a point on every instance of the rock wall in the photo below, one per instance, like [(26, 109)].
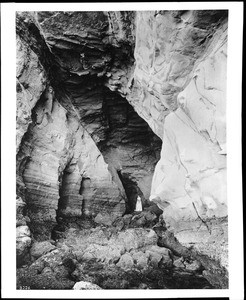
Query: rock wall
[(31, 81), (60, 171), (69, 118), (190, 178), (91, 60), (63, 165), (169, 45), (28, 92)]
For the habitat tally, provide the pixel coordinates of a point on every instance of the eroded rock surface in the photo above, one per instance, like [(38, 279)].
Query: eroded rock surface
[(194, 139), (64, 170)]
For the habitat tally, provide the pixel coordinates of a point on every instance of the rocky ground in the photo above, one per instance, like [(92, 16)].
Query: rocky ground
[(135, 251)]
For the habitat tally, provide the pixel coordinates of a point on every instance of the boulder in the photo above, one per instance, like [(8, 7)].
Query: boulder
[(155, 252), (126, 262), (154, 209), (61, 272), (37, 267), (107, 254), (56, 257), (143, 286), (80, 274), (22, 245), (140, 259), (22, 231), (119, 223), (138, 220), (40, 248), (193, 266), (145, 218), (23, 242), (20, 221), (105, 219), (154, 258), (127, 219), (179, 263), (84, 285), (136, 238), (20, 205)]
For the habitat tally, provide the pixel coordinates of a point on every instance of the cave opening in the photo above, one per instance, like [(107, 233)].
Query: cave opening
[(130, 148), (132, 192)]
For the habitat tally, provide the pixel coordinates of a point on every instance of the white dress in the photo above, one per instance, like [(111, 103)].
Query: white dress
[(138, 204)]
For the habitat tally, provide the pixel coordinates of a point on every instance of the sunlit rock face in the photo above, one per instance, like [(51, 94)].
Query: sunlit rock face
[(169, 45), (190, 178)]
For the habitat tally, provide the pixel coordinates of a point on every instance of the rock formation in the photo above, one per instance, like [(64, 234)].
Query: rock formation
[(113, 106), (194, 139)]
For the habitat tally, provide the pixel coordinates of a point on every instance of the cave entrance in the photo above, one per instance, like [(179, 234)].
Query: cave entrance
[(132, 192)]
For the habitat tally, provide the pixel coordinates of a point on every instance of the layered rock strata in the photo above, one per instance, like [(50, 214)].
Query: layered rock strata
[(194, 139), (32, 57), (63, 165), (169, 46)]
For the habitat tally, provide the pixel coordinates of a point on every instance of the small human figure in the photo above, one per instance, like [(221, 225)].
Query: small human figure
[(138, 204)]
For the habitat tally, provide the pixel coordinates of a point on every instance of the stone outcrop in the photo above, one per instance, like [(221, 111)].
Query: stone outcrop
[(210, 267), (83, 285), (31, 75), (190, 178), (169, 45), (58, 161), (31, 81), (41, 248), (180, 76), (64, 170)]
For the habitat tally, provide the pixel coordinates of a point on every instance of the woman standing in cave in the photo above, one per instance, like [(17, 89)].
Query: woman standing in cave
[(139, 204)]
